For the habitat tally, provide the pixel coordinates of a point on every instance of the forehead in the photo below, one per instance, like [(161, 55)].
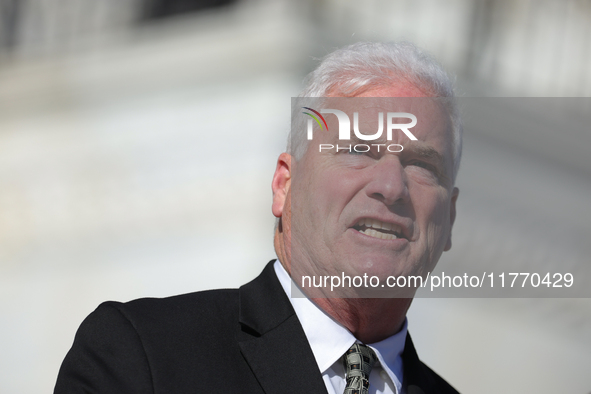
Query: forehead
[(399, 90), (433, 129)]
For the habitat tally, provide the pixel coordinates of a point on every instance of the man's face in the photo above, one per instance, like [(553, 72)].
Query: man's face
[(377, 213)]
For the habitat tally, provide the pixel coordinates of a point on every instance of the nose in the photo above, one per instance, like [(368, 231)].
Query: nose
[(388, 182)]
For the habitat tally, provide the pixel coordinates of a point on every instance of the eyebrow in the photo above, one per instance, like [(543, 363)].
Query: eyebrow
[(429, 153), (415, 147), (425, 152)]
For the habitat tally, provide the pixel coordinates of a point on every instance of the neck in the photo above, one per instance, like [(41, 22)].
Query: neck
[(370, 320)]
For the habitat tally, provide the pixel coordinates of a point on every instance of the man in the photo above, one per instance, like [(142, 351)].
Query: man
[(349, 212)]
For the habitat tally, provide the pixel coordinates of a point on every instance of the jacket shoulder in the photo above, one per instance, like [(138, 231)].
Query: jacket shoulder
[(179, 322), (135, 346), (166, 311)]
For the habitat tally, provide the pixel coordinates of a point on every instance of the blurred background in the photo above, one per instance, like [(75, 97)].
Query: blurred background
[(138, 139)]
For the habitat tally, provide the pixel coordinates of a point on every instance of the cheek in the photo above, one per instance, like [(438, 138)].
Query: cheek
[(313, 201), (336, 187), (432, 209)]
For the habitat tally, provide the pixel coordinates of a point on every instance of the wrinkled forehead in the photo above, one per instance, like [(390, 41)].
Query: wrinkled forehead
[(429, 108), (379, 103)]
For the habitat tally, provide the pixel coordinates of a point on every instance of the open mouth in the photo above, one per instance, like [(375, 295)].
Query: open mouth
[(378, 229)]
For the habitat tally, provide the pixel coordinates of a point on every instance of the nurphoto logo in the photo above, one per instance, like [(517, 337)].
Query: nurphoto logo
[(345, 129)]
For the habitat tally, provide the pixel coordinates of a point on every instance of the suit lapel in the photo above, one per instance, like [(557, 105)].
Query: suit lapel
[(272, 340), (419, 378), (414, 378)]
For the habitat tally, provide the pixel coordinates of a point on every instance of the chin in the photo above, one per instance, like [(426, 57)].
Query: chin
[(384, 267)]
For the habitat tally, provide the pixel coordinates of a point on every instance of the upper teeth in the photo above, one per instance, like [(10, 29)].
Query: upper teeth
[(374, 223), (379, 225)]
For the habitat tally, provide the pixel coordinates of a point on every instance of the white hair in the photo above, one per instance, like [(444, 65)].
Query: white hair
[(351, 70)]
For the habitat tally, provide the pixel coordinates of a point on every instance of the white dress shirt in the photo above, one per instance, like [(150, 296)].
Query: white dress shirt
[(329, 341)]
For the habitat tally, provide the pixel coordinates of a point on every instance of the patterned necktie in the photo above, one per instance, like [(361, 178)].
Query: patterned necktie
[(358, 360)]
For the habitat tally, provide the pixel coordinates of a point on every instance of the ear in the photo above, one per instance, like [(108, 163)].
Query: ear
[(452, 215), (281, 183)]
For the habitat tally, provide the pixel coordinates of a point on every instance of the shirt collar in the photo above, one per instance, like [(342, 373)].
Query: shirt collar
[(329, 340)]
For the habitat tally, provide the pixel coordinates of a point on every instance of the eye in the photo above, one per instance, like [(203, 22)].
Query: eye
[(426, 171), (422, 164)]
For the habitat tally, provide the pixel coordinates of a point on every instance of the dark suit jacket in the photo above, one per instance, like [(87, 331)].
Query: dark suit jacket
[(222, 341)]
